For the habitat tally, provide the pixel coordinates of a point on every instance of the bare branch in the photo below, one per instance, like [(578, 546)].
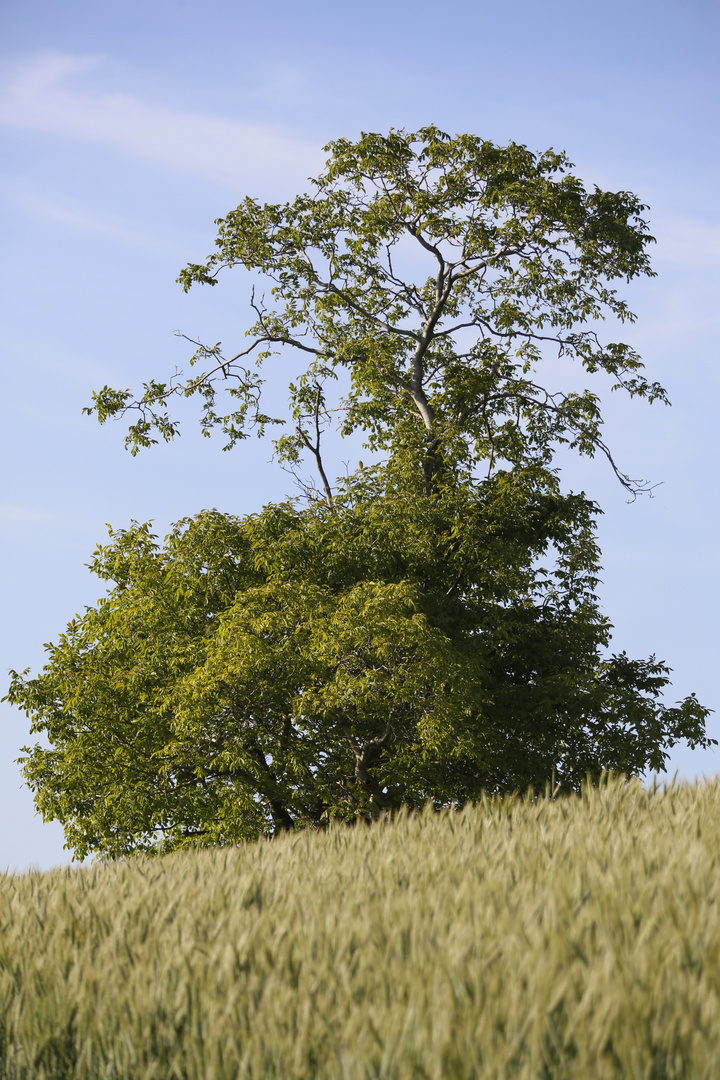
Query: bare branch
[(314, 448)]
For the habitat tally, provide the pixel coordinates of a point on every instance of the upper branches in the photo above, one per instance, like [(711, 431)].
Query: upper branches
[(436, 272)]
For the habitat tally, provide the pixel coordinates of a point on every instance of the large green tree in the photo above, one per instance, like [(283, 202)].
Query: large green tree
[(425, 628)]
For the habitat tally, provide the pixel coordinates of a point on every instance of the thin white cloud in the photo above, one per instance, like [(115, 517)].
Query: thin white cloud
[(27, 515), (82, 221), (46, 93)]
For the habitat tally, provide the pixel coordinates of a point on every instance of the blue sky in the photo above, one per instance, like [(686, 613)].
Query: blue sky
[(128, 128)]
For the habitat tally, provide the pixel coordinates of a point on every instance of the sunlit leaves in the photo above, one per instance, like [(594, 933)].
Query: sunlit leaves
[(418, 261)]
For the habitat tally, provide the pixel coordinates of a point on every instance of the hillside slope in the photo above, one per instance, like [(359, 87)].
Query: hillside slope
[(514, 939)]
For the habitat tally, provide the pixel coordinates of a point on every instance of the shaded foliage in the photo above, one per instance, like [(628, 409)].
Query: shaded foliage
[(255, 674)]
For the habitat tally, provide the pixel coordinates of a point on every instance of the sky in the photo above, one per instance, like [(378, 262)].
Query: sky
[(129, 128)]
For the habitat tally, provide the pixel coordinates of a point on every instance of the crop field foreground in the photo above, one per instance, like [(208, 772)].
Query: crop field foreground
[(517, 938)]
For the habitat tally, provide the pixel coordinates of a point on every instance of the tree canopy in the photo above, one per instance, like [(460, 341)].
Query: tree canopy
[(433, 273), (424, 628)]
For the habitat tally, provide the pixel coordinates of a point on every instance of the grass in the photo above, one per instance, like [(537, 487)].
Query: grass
[(576, 937)]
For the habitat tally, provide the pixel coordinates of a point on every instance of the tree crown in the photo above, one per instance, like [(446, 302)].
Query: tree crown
[(430, 629), (425, 277)]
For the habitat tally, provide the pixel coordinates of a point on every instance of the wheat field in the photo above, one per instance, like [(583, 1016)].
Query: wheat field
[(516, 939)]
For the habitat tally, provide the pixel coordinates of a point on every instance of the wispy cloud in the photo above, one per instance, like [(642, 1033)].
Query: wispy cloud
[(49, 93), (80, 219), (16, 513)]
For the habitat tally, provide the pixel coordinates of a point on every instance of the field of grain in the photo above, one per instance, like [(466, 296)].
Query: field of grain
[(575, 937)]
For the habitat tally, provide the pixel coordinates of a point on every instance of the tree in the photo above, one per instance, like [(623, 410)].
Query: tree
[(426, 628)]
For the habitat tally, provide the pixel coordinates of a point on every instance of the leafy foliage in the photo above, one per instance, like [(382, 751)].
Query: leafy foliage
[(431, 271), (426, 628), (256, 674)]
